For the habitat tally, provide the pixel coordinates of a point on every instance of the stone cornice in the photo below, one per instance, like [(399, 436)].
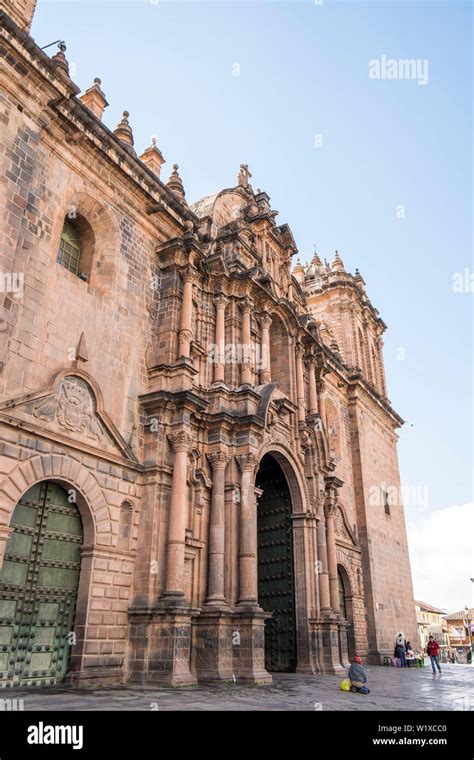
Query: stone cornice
[(180, 399)]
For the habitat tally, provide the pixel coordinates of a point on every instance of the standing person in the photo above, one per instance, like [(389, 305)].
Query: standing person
[(400, 650), (432, 649), (358, 676)]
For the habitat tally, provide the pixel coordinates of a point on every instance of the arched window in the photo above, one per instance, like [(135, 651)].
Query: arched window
[(76, 247), (69, 252)]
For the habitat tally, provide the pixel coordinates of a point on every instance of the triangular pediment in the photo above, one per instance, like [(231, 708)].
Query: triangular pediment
[(70, 407), (341, 527)]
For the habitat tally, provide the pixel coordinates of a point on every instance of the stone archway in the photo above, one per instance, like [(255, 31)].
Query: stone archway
[(303, 551), (347, 611), (67, 472), (275, 556)]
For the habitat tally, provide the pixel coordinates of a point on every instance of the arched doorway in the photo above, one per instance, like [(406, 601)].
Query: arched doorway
[(345, 607), (276, 593), (38, 587)]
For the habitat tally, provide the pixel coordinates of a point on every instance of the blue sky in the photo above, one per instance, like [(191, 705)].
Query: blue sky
[(385, 143)]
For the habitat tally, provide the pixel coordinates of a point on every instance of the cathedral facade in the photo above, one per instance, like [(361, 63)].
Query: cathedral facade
[(198, 455)]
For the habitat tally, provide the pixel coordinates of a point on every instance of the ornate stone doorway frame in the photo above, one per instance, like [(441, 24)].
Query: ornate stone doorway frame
[(303, 553)]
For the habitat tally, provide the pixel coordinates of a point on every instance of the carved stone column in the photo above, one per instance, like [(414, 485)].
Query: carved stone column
[(219, 367), (246, 375), (219, 460), (248, 578), (324, 593), (313, 394), (265, 374), (328, 625), (330, 512), (185, 323), (321, 389), (181, 442), (300, 383)]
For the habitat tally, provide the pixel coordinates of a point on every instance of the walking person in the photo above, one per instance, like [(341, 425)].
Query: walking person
[(432, 649)]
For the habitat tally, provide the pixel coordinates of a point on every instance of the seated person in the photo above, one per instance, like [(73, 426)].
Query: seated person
[(409, 653), (358, 676)]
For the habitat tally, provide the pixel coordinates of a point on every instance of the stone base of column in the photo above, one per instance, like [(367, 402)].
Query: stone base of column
[(160, 642), (248, 645), (308, 654), (212, 645), (328, 646)]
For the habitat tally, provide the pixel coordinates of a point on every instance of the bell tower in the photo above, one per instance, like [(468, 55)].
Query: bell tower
[(21, 11), (348, 323)]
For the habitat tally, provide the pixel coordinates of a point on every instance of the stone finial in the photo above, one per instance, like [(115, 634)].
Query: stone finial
[(244, 176), (298, 271), (60, 61), (337, 264), (175, 183), (153, 158), (359, 279), (123, 130), (94, 99), (81, 350), (316, 261)]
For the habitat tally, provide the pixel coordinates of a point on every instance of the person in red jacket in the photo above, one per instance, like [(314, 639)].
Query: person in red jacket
[(432, 649)]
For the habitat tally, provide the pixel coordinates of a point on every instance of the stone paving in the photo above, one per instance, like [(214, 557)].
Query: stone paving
[(392, 689)]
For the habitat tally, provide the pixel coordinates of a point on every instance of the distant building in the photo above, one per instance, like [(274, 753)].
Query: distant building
[(458, 624), (430, 623)]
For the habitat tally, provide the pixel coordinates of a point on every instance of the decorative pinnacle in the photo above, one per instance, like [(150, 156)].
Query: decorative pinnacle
[(124, 131), (298, 270), (175, 183), (60, 61), (337, 264), (315, 261)]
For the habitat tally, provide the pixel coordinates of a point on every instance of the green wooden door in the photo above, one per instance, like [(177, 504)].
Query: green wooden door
[(38, 587), (275, 566)]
